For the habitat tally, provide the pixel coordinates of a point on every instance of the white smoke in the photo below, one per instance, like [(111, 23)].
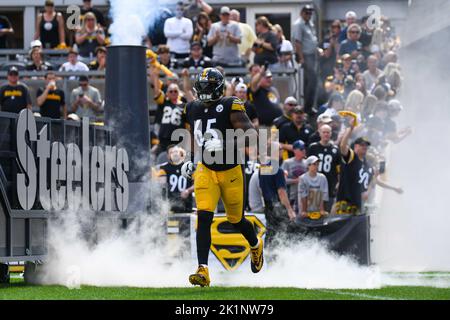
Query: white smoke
[(412, 231), (132, 19)]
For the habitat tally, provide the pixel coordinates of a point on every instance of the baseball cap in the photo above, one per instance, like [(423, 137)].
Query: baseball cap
[(350, 14), (308, 7), (345, 56), (241, 87), (311, 160), (13, 70), (299, 144), (83, 78), (35, 43), (196, 44), (268, 74), (362, 140), (291, 100), (324, 118), (394, 104), (225, 10)]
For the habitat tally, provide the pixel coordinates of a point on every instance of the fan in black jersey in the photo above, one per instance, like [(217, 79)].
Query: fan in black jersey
[(349, 195), (209, 118), (330, 158), (168, 113), (177, 188)]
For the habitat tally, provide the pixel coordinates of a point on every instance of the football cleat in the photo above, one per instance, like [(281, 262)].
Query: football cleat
[(257, 257), (200, 277)]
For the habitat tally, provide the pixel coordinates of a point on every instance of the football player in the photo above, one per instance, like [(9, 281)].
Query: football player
[(209, 117)]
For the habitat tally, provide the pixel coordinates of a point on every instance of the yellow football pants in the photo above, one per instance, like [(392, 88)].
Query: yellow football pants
[(210, 185)]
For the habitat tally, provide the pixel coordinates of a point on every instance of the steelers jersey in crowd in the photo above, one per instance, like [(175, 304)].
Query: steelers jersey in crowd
[(53, 103), (175, 184), (329, 164), (366, 174), (14, 98), (267, 106), (289, 133), (169, 117), (213, 120), (348, 198)]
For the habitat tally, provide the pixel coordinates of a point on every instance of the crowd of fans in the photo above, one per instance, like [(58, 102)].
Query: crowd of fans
[(331, 159)]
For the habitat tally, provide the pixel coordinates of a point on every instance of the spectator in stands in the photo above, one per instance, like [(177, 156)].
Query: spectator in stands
[(330, 160), (285, 50), (240, 91), (305, 41), (368, 106), (335, 104), (289, 104), (86, 100), (196, 59), (295, 130), (294, 167), (168, 113), (351, 45), (248, 35), (14, 95), (330, 47), (312, 191), (225, 36), (164, 57), (37, 62), (50, 27), (348, 199), (201, 31), (255, 197), (265, 46), (177, 188), (277, 208), (73, 65), (372, 73), (193, 8), (350, 18), (89, 37), (354, 101), (254, 69), (265, 97), (88, 7), (99, 63), (6, 30), (178, 31), (50, 99), (321, 120), (366, 36)]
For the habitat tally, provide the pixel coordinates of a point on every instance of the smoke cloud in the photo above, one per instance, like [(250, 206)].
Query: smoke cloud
[(411, 231), (132, 19)]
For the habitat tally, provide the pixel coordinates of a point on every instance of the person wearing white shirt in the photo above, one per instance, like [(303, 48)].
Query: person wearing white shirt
[(73, 64), (178, 31)]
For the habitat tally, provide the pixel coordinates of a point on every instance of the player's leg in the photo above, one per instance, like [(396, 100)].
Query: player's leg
[(207, 193), (232, 187)]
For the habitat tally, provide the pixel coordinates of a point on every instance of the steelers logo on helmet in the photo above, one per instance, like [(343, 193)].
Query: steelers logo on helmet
[(209, 85)]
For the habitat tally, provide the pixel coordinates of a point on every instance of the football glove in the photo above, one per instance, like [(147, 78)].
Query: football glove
[(213, 144), (187, 169)]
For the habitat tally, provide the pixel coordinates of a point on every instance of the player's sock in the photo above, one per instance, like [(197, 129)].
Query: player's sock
[(204, 236), (247, 230)]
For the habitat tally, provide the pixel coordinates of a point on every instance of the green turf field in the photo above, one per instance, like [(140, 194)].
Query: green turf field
[(18, 290)]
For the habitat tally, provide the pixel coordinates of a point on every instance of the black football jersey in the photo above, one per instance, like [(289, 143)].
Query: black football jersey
[(169, 116), (366, 174), (175, 184), (330, 158), (349, 187), (214, 120)]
